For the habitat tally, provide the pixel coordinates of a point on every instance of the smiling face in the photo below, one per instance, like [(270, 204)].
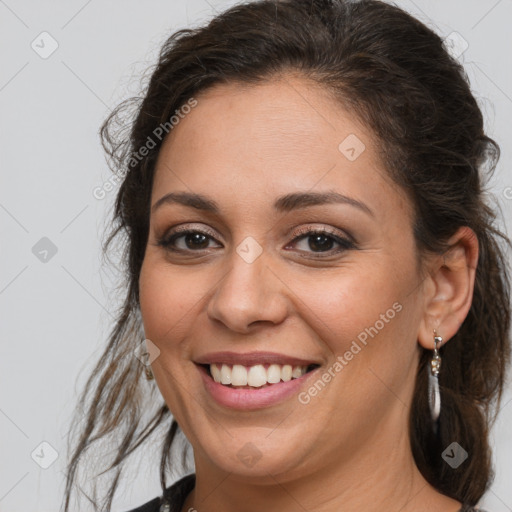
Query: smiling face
[(284, 243)]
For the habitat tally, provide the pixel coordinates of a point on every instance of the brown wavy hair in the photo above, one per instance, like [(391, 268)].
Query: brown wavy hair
[(395, 75)]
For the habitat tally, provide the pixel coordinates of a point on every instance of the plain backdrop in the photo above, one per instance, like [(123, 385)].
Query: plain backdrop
[(55, 299)]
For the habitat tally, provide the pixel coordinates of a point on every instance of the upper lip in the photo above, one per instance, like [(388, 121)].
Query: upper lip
[(252, 358)]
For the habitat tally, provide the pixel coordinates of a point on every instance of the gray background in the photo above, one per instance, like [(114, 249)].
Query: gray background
[(56, 313)]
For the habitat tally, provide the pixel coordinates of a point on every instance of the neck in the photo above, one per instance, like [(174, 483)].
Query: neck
[(373, 479)]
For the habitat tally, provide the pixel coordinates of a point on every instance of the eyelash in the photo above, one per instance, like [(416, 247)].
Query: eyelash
[(345, 244)]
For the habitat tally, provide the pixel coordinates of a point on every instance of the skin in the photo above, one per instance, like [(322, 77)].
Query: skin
[(348, 448)]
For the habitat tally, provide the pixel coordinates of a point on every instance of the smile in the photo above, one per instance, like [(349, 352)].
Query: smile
[(255, 376), (253, 380)]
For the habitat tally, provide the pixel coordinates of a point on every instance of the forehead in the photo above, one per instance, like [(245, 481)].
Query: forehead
[(283, 135)]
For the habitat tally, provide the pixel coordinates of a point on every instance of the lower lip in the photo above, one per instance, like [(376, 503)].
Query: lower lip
[(255, 398)]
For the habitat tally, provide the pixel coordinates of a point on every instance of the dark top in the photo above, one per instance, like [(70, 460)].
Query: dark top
[(175, 496)]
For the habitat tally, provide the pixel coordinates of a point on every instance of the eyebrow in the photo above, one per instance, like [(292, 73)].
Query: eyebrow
[(286, 203)]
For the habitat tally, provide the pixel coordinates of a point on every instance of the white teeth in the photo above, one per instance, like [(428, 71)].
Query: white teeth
[(215, 372), (296, 372), (286, 372), (239, 375), (225, 374), (274, 374), (255, 376)]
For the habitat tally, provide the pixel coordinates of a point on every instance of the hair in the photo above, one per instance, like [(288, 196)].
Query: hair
[(396, 76)]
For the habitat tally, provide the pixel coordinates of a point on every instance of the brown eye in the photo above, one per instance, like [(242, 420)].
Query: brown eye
[(191, 240), (322, 241)]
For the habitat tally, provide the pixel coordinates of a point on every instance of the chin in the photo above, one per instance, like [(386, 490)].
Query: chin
[(251, 453)]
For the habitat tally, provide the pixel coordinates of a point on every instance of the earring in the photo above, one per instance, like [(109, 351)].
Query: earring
[(434, 396), (148, 372), (142, 354)]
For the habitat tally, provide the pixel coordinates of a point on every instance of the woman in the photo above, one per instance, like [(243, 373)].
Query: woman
[(318, 282)]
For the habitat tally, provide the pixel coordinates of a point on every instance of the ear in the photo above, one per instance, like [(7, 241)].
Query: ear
[(448, 290)]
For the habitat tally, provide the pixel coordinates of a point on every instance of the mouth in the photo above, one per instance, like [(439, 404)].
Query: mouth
[(254, 380), (255, 376)]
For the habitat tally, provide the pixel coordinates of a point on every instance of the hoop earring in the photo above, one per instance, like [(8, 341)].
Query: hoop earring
[(434, 396)]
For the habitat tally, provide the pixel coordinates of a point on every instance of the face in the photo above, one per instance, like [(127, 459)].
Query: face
[(283, 245)]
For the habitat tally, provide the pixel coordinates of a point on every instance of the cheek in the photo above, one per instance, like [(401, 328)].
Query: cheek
[(165, 299), (344, 303), (366, 315)]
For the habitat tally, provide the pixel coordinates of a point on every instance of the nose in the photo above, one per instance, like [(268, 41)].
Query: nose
[(248, 294)]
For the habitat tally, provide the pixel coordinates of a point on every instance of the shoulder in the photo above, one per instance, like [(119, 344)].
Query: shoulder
[(173, 498)]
